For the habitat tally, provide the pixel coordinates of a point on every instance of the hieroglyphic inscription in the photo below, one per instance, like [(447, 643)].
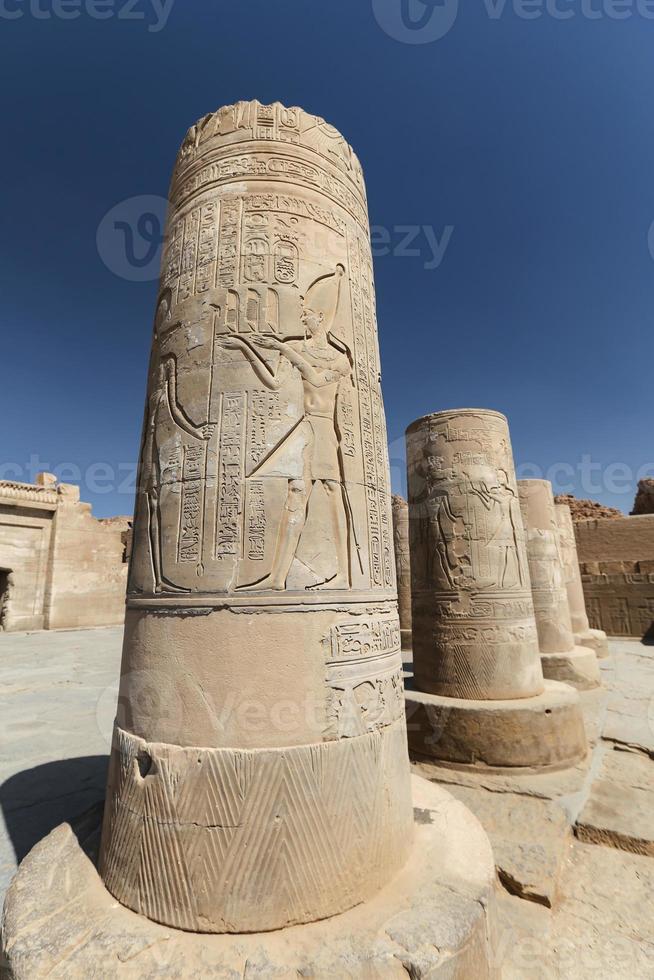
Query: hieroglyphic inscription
[(366, 365), (192, 501), (363, 696), (256, 521), (298, 207), (348, 438), (288, 169), (372, 637), (265, 407), (229, 237), (230, 476)]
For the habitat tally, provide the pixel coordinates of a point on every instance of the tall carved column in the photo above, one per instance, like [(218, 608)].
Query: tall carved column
[(584, 636), (402, 566), (261, 667), (561, 659), (259, 776), (478, 694)]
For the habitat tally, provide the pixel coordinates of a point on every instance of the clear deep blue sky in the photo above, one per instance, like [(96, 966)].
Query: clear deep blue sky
[(533, 139)]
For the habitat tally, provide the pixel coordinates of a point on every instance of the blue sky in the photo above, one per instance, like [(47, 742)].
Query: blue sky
[(518, 154)]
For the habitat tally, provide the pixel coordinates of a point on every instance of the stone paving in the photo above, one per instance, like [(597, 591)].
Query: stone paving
[(573, 849)]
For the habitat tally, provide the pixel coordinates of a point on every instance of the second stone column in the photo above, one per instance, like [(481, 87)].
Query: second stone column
[(479, 696), (561, 659)]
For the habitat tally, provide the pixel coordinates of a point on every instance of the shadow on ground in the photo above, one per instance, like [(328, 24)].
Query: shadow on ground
[(37, 800)]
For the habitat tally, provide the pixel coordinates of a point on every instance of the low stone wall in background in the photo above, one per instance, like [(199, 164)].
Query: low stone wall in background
[(616, 557)]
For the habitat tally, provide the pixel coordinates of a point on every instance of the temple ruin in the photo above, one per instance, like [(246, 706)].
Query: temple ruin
[(259, 795), (59, 566)]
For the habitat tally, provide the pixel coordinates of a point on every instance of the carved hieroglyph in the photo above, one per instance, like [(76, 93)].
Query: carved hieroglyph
[(474, 634), (402, 566), (259, 774), (583, 635), (561, 658)]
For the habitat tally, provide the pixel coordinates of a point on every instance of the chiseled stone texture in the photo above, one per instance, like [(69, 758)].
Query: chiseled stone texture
[(617, 566), (562, 660), (261, 707), (473, 617), (620, 810), (435, 919), (402, 566), (529, 837), (546, 731), (603, 926), (59, 567), (583, 634)]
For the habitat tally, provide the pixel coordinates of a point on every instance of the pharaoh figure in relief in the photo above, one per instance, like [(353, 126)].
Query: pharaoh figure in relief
[(473, 620), (262, 578), (311, 452)]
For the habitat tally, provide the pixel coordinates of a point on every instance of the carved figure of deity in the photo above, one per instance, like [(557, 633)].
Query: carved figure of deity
[(310, 453)]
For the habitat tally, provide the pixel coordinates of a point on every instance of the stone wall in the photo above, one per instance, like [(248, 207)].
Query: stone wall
[(617, 569), (59, 566)]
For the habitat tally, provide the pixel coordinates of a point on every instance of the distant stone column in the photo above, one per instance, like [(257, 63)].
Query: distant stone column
[(561, 658), (584, 636), (478, 692), (402, 566)]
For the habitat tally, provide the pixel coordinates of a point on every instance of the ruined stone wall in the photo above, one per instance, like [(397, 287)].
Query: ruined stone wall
[(59, 566), (616, 557)]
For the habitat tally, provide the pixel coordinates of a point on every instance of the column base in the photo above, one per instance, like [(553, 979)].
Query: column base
[(435, 918), (577, 667), (530, 734), (595, 640)]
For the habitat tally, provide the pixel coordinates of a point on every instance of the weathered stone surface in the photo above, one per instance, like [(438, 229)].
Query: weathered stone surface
[(435, 919), (402, 566), (259, 774), (617, 566), (630, 711), (561, 659), (603, 924), (528, 733), (583, 635), (524, 940), (473, 615), (583, 510), (620, 810), (644, 502), (529, 838), (59, 566)]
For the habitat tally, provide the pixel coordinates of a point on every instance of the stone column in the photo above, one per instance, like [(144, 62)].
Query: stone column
[(561, 659), (402, 566), (478, 693), (584, 636), (259, 771)]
